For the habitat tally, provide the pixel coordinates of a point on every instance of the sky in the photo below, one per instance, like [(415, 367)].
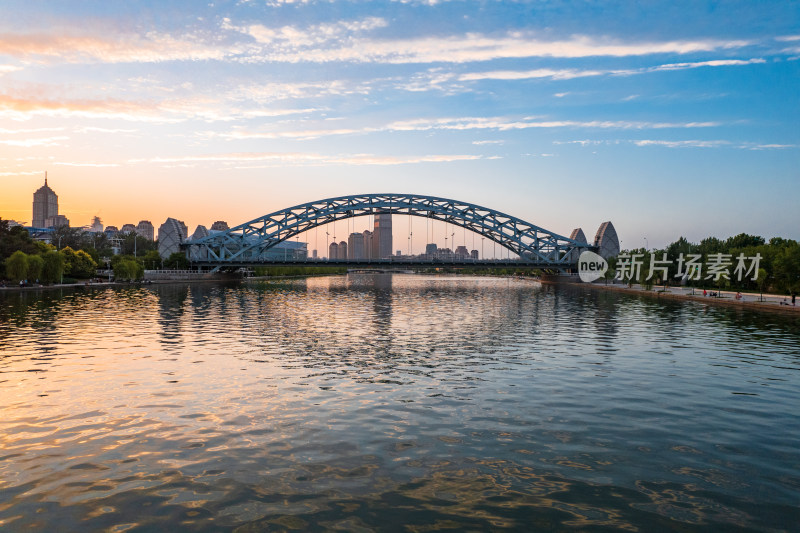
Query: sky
[(670, 119)]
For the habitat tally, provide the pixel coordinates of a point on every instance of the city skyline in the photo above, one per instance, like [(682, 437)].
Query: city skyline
[(677, 119)]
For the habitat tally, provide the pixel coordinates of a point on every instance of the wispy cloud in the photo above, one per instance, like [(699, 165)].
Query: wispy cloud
[(458, 124), (567, 74), (689, 143), (156, 111), (26, 108), (85, 164), (30, 143), (681, 144), (555, 74), (111, 46), (304, 158), (504, 124), (294, 46), (21, 173)]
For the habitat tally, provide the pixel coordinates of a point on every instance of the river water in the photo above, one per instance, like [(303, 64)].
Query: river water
[(394, 402)]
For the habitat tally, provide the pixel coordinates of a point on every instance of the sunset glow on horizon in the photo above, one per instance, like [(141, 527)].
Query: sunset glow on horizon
[(676, 119)]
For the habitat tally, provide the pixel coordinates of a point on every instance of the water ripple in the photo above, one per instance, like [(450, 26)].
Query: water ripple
[(371, 401)]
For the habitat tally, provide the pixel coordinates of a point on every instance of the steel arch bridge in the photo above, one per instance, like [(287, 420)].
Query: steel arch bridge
[(246, 244)]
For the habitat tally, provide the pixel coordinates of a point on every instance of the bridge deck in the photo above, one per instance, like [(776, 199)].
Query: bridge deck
[(384, 263)]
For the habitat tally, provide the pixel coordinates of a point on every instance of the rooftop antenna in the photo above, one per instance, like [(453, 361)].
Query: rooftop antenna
[(45, 178)]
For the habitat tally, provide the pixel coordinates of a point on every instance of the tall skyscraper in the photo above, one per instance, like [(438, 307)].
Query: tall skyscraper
[(45, 205), (382, 241)]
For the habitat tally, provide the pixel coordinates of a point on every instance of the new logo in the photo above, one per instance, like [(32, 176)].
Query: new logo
[(591, 267)]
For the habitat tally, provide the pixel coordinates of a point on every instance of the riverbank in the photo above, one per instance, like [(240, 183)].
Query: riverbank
[(771, 302), (101, 284)]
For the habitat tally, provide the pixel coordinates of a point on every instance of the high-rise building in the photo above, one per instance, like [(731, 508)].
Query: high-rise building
[(342, 252), (219, 225), (145, 229), (199, 233), (170, 236), (462, 252), (45, 205), (430, 249), (355, 246), (333, 251), (97, 225), (382, 242), (606, 241), (369, 238), (128, 228)]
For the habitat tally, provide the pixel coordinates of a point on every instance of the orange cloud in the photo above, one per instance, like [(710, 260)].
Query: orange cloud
[(25, 108), (147, 48)]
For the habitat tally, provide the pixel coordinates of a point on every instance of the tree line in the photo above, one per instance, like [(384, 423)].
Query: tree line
[(778, 264), (77, 257)]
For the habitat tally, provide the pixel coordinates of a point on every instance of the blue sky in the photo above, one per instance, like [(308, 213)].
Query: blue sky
[(668, 118)]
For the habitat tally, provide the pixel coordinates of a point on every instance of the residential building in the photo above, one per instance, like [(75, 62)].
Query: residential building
[(56, 221), (369, 238), (355, 246), (145, 229)]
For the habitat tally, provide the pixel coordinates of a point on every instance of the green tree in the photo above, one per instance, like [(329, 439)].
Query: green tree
[(13, 239), (611, 271), (151, 260), (65, 236), (176, 261), (786, 268), (743, 240), (78, 264), (133, 243), (128, 269), (93, 253), (35, 266), (17, 266), (53, 267)]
